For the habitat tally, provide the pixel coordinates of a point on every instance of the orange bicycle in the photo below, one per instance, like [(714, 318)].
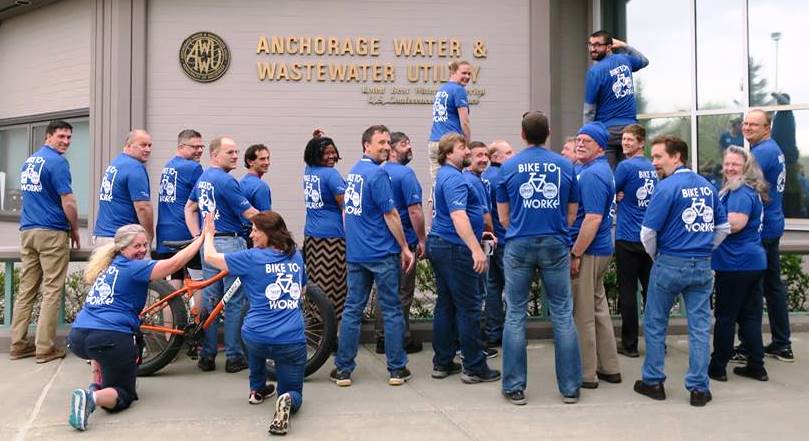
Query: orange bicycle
[(166, 324)]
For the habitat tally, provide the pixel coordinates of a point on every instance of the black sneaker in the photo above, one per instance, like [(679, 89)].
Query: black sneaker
[(258, 396), (340, 378), (380, 346), (445, 371), (756, 374), (233, 365), (516, 397), (699, 398), (413, 347), (589, 384), (738, 356), (653, 391), (718, 374), (571, 399), (490, 352), (486, 376), (206, 364), (283, 409), (628, 352), (781, 354), (399, 377), (609, 378)]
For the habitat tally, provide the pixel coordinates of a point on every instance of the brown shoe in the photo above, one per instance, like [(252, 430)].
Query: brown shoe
[(53, 354), (29, 351)]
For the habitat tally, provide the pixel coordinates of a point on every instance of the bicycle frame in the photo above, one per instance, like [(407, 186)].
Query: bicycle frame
[(191, 286)]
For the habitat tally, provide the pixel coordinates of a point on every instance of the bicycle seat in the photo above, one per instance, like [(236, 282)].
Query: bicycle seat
[(177, 245)]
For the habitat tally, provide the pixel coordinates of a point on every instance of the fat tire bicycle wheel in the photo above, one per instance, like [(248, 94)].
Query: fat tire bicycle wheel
[(320, 329), (161, 348)]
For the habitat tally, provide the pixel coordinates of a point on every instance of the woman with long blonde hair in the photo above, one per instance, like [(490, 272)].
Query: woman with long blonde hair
[(105, 329), (739, 263)]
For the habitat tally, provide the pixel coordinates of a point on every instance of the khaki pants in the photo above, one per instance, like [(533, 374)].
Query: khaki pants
[(432, 155), (45, 255), (593, 322)]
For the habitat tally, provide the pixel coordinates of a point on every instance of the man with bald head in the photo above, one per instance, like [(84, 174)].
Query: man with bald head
[(124, 195), (218, 193)]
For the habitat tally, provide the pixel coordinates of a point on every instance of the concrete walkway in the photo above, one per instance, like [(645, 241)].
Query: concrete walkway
[(183, 403)]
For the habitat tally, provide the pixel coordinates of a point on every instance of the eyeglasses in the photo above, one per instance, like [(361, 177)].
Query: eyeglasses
[(596, 45), (195, 146)]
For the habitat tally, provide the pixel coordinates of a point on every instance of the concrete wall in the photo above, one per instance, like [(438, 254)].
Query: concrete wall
[(45, 60), (282, 114)]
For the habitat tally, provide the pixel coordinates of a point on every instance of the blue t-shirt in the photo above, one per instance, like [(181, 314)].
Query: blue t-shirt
[(492, 176), (219, 193), (259, 195), (368, 197), (321, 186), (742, 251), (771, 160), (125, 182), (609, 86), (596, 196), (479, 204), (44, 178), (449, 97), (683, 210), (453, 191), (727, 139), (176, 182), (117, 296), (406, 192), (637, 178), (273, 283), (538, 185)]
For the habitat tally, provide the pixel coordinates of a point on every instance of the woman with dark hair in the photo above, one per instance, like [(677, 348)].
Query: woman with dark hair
[(105, 330), (324, 246), (739, 263), (273, 274)]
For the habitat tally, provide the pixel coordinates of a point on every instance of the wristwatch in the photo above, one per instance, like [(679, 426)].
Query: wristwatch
[(573, 255)]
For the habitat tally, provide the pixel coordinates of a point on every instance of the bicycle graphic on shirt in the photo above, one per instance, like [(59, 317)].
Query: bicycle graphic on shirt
[(283, 284), (538, 184), (698, 208), (644, 191)]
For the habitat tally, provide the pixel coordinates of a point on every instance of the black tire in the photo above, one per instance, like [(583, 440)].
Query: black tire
[(320, 330), (160, 348)]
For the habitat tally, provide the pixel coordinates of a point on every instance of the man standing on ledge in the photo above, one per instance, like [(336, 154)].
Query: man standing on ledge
[(609, 89), (450, 111), (124, 195), (257, 191), (373, 254), (682, 226), (48, 224)]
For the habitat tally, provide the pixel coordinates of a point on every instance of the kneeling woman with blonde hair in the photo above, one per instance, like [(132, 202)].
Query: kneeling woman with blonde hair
[(105, 330)]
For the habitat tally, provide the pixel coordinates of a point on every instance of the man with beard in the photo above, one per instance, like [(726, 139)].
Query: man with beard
[(609, 90), (407, 198)]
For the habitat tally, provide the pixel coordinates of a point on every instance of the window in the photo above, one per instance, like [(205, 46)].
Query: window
[(14, 148)]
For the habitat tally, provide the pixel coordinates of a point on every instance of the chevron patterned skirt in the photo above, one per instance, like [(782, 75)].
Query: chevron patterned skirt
[(325, 260)]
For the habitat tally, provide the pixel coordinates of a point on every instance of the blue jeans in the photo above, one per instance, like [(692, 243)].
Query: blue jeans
[(671, 276), (776, 296), (290, 364), (457, 305), (361, 276), (523, 257), (495, 281), (234, 309)]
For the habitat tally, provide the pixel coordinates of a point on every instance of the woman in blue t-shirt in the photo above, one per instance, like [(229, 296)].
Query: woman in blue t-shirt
[(105, 330), (739, 263), (324, 245), (273, 274)]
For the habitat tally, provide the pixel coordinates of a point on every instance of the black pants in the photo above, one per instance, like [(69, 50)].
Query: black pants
[(614, 151), (633, 265), (738, 298), (116, 354)]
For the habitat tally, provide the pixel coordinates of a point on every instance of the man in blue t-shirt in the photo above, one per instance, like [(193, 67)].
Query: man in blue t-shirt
[(609, 90), (407, 198), (218, 193), (176, 182), (769, 156), (257, 192), (48, 227), (683, 224), (635, 180), (450, 110), (373, 255), (499, 152), (732, 136), (124, 195), (590, 258), (537, 199)]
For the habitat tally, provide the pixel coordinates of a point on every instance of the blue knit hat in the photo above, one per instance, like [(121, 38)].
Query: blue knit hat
[(598, 131)]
